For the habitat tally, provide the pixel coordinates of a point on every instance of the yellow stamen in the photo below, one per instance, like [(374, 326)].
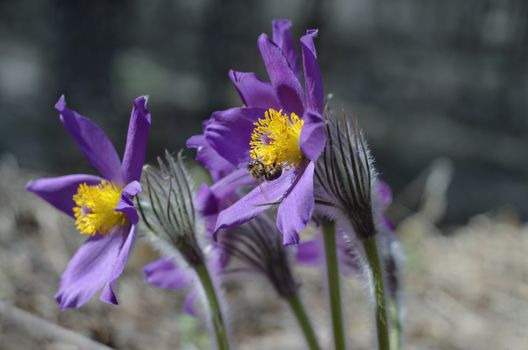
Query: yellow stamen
[(95, 208), (275, 139)]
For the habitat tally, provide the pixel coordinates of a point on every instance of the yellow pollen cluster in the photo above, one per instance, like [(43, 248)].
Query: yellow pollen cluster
[(95, 208), (275, 139)]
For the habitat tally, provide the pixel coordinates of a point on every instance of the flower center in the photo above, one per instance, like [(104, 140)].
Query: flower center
[(275, 139), (95, 208)]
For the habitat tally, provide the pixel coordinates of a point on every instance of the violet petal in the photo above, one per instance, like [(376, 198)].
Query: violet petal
[(229, 132), (59, 191), (296, 208), (92, 142), (108, 295), (309, 252), (313, 135), (255, 202), (312, 74), (253, 91), (283, 79), (281, 36), (88, 270), (188, 303), (136, 146), (164, 273), (209, 158)]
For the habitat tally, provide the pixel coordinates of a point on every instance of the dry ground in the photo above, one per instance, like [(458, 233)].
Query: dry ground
[(468, 290)]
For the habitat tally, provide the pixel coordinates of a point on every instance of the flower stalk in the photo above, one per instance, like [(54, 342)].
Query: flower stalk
[(168, 211), (303, 320), (258, 244), (334, 293), (382, 326), (396, 334), (215, 310)]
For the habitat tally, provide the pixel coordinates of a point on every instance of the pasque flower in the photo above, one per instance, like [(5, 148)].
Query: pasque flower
[(101, 205), (278, 134)]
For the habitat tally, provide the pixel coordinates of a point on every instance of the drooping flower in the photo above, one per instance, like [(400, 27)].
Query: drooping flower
[(101, 205), (258, 245), (278, 134)]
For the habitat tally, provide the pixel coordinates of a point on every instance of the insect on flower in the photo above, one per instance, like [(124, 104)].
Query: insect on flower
[(277, 136), (259, 170)]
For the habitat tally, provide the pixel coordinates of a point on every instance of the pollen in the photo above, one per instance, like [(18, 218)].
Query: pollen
[(95, 208), (275, 139)]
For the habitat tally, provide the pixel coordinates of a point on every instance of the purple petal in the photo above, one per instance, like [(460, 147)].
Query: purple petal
[(312, 74), (209, 158), (309, 252), (132, 189), (88, 270), (211, 200), (125, 204), (118, 266), (188, 303), (92, 142), (313, 135), (253, 91), (136, 145), (59, 191), (283, 79), (232, 183), (163, 273), (255, 202), (282, 37), (384, 194), (229, 132), (296, 208), (205, 201), (207, 205), (126, 207)]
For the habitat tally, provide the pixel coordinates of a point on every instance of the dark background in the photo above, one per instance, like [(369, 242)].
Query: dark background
[(427, 79)]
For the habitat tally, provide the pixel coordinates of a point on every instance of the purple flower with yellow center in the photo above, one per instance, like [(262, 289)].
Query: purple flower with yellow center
[(101, 205), (277, 135)]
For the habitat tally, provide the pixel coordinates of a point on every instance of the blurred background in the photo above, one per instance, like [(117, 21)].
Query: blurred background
[(439, 87)]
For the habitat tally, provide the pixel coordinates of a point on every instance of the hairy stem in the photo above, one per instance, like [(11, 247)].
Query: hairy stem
[(334, 293), (382, 325), (217, 320), (397, 331), (304, 321)]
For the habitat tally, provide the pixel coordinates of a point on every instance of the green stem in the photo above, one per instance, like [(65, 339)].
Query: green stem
[(332, 274), (396, 333), (382, 325), (217, 320), (304, 321)]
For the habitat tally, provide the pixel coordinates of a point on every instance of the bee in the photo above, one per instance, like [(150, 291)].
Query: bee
[(259, 171)]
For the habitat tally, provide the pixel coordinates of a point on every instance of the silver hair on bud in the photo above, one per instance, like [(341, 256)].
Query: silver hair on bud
[(166, 206), (345, 174)]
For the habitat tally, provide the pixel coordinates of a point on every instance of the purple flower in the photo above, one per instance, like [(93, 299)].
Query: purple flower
[(311, 253), (167, 273), (278, 134), (101, 205), (164, 273)]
